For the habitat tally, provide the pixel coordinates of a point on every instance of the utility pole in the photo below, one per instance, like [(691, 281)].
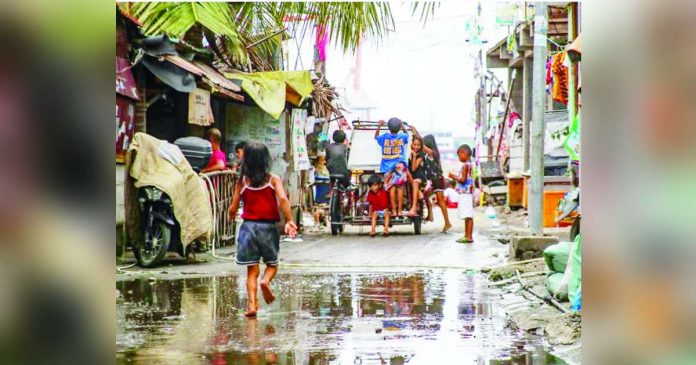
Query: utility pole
[(536, 190)]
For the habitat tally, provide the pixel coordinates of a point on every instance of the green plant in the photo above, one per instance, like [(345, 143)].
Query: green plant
[(250, 32)]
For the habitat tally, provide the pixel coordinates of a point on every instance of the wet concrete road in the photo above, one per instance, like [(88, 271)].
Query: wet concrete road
[(354, 250), (432, 317), (349, 299)]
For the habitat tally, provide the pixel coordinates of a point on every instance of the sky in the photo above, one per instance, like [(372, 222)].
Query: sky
[(423, 74)]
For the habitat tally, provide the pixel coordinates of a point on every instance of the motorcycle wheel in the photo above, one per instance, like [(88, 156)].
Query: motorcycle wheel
[(417, 222), (162, 235)]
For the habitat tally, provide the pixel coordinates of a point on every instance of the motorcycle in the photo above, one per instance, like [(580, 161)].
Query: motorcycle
[(159, 228)]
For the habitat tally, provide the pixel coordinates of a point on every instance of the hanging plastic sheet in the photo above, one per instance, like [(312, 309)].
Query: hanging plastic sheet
[(174, 76), (270, 90)]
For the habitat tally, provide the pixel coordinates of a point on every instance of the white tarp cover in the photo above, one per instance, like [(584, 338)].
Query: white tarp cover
[(365, 154)]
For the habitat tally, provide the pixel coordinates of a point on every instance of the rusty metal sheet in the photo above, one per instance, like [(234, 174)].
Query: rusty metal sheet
[(185, 64), (217, 78)]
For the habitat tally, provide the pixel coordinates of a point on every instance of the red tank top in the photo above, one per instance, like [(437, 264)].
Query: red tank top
[(260, 203)]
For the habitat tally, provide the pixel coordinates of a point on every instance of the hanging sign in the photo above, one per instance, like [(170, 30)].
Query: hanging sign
[(299, 143), (200, 111)]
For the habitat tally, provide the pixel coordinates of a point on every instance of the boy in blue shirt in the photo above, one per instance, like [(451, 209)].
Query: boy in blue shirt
[(393, 146)]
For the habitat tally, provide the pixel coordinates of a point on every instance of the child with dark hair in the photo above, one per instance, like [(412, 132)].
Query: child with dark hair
[(434, 172), (465, 189), (379, 204), (337, 157), (393, 145), (264, 198), (238, 155), (418, 173)]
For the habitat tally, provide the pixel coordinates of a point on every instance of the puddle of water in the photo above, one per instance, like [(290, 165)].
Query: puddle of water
[(416, 318)]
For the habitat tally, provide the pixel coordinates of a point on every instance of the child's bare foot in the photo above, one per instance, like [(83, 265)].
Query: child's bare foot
[(446, 228), (268, 296), (373, 233), (394, 214), (385, 234), (250, 312), (412, 213)]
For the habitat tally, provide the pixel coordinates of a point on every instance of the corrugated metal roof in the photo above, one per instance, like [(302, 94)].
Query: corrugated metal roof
[(185, 64), (217, 78), (209, 73)]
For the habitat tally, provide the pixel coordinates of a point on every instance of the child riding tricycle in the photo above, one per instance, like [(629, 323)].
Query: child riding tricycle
[(376, 156)]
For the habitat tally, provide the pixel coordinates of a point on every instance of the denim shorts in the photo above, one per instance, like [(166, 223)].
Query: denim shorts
[(258, 240)]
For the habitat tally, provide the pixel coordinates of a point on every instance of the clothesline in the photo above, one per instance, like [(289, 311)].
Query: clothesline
[(557, 45)]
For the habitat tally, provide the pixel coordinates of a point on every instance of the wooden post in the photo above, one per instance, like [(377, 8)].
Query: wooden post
[(527, 108)]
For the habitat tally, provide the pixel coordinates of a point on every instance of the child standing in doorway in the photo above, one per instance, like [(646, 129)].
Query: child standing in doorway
[(264, 199), (379, 204), (465, 189)]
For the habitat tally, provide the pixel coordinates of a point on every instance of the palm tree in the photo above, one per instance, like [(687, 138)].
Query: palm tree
[(244, 32)]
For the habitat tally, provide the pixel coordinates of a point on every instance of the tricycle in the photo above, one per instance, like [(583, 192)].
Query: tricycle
[(347, 201)]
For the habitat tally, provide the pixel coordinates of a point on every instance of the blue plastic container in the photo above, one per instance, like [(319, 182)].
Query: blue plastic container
[(321, 190)]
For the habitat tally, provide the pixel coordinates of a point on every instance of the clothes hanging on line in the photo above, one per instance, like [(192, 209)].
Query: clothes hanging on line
[(559, 89)]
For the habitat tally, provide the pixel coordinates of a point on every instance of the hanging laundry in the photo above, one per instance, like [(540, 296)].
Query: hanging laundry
[(549, 76), (559, 91), (513, 117)]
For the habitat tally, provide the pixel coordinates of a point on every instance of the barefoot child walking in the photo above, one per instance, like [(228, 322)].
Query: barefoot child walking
[(264, 198), (465, 189)]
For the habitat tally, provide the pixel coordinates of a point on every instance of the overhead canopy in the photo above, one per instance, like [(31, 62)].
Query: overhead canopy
[(178, 78), (209, 74), (162, 59), (270, 90)]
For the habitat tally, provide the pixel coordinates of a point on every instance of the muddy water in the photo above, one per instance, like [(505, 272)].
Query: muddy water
[(418, 318)]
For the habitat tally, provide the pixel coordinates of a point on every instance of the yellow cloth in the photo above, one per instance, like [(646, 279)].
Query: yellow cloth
[(146, 167), (270, 90)]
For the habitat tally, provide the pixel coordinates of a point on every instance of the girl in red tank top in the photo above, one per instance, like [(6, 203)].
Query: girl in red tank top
[(264, 199), (260, 203)]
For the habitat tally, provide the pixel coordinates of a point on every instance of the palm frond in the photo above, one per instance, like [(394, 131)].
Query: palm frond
[(426, 9), (175, 19), (346, 23)]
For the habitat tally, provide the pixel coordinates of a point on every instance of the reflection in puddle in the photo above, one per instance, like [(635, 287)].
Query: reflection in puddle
[(416, 318)]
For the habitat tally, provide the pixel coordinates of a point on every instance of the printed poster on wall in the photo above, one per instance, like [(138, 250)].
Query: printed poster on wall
[(200, 110), (299, 143)]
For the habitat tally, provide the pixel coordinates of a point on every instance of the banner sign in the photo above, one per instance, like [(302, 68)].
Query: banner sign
[(299, 143), (200, 111)]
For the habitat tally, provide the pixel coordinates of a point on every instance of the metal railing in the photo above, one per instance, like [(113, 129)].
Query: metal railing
[(220, 186)]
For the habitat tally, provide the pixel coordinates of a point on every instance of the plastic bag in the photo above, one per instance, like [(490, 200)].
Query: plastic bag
[(490, 213), (576, 304), (575, 263)]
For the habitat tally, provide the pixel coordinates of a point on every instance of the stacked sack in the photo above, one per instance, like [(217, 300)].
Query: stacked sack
[(564, 261)]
